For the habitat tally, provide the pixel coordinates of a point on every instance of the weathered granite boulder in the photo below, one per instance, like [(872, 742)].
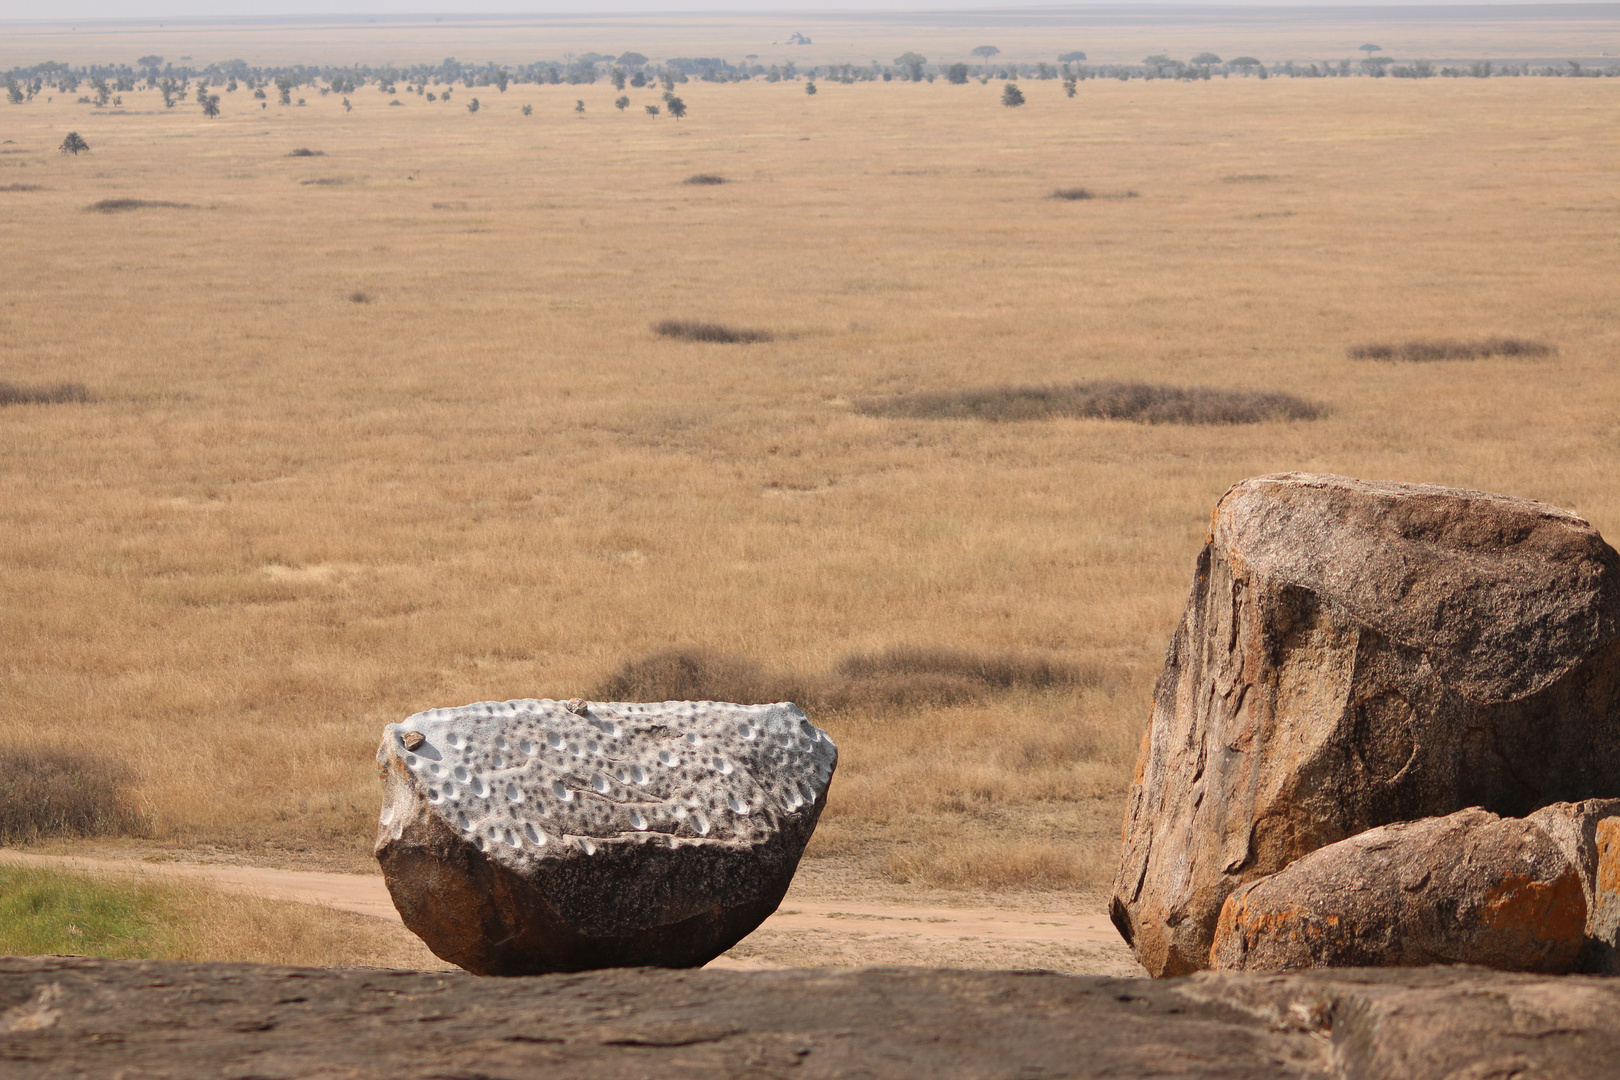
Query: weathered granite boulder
[(523, 837), (1355, 654), (1467, 888)]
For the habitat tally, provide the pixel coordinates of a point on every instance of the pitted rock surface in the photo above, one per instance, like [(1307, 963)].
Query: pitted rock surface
[(78, 1017), (1355, 654), (526, 836)]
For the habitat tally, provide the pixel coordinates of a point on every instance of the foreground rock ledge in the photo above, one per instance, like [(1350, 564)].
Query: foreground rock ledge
[(534, 836), (1355, 654), (73, 1017)]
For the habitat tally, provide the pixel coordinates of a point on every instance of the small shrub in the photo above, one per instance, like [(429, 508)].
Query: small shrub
[(692, 330), (44, 394), (1072, 193), (59, 793), (1146, 403), (1424, 351), (114, 206), (358, 297), (304, 151), (704, 178), (22, 187), (905, 677), (324, 181), (695, 675), (1011, 96)]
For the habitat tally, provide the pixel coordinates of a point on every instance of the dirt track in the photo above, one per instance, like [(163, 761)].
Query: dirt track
[(805, 932)]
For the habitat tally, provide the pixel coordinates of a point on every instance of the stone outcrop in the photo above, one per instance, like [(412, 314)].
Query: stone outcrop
[(1355, 654), (523, 837), (1467, 888), (77, 1017)]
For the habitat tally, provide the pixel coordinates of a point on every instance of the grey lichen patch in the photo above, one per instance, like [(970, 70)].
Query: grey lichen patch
[(529, 780)]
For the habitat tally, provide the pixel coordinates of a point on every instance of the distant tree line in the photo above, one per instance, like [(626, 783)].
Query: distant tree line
[(175, 83)]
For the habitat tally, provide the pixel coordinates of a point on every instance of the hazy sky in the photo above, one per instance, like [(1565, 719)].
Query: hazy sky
[(137, 9)]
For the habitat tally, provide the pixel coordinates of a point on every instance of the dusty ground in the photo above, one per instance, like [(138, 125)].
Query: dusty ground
[(833, 916)]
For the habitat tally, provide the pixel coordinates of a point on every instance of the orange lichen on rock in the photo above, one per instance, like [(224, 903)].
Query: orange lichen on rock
[(1467, 888)]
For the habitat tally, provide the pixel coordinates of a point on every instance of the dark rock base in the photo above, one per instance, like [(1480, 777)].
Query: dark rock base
[(75, 1017)]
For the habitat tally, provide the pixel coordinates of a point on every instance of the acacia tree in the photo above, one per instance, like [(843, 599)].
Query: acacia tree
[(677, 107), (74, 144), (210, 105), (913, 63), (985, 52), (621, 103)]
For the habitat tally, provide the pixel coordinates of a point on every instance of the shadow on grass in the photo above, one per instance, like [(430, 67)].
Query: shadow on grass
[(115, 206), (1424, 351), (1147, 403), (43, 393), (900, 677), (692, 330)]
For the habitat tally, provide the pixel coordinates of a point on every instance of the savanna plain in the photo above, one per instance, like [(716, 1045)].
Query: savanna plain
[(389, 427)]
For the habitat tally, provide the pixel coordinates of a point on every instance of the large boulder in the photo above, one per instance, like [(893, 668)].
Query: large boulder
[(1355, 654), (523, 837), (1467, 888)]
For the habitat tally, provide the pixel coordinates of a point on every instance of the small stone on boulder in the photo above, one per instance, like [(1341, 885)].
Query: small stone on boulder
[(1467, 888), (524, 837)]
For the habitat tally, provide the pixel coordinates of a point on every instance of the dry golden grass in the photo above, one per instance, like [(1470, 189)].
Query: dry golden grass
[(289, 518)]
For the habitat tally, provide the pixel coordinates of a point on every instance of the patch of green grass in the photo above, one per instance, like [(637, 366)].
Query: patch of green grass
[(48, 911)]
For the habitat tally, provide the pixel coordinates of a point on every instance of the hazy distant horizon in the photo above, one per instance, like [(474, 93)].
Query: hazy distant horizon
[(59, 11)]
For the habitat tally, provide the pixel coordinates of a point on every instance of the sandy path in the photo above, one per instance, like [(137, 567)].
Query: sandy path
[(807, 930)]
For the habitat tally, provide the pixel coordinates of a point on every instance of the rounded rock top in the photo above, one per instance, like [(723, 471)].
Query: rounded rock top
[(531, 778)]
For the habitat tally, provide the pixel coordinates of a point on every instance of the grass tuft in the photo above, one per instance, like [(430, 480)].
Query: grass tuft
[(704, 178), (358, 297), (905, 677), (692, 330), (304, 151), (114, 206), (22, 187), (1441, 349), (324, 181), (1146, 403), (43, 393), (1073, 193), (1023, 865), (47, 911), (47, 793)]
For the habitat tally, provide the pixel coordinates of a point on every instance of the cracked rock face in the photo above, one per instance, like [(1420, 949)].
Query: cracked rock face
[(1355, 654), (1467, 888), (524, 837)]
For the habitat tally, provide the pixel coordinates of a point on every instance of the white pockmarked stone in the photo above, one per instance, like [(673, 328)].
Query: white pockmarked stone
[(683, 810)]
